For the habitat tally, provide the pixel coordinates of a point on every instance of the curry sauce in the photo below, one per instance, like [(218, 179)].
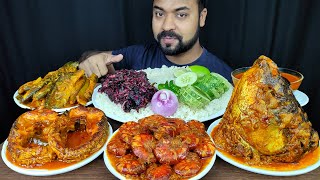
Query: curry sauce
[(74, 139), (308, 160)]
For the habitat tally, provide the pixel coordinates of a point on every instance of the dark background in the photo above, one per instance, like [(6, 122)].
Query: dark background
[(38, 36)]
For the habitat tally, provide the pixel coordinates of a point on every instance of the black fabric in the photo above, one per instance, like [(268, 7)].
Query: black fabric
[(41, 35)]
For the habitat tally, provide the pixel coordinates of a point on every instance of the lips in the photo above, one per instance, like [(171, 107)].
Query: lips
[(168, 39)]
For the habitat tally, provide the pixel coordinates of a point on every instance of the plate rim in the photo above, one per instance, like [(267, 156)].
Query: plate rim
[(118, 175), (56, 110), (120, 119), (301, 102), (258, 170), (47, 172)]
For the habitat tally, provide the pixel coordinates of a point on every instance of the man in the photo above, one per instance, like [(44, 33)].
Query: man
[(176, 25)]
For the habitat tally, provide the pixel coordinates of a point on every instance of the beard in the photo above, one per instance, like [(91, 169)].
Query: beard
[(181, 47)]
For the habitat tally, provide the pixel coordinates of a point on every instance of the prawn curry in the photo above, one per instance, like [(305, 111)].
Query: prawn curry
[(156, 147)]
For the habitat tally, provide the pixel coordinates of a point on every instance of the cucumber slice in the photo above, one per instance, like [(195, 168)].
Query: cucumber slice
[(193, 98), (179, 72), (211, 93), (186, 79), (212, 86), (221, 78)]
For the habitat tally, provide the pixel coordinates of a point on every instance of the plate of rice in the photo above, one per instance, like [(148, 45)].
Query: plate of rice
[(155, 76)]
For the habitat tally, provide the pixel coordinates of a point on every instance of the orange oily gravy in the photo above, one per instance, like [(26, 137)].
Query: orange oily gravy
[(74, 139), (308, 160)]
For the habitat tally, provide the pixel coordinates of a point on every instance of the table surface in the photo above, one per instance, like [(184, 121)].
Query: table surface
[(97, 169)]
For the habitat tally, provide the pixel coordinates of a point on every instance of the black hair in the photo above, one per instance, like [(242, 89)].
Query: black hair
[(202, 4)]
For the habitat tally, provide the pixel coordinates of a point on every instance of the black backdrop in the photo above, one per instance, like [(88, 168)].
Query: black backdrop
[(38, 36)]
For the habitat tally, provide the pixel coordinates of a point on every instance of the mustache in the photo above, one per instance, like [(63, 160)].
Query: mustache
[(170, 34)]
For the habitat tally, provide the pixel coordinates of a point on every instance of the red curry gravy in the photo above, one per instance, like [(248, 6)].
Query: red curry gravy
[(308, 160), (291, 78), (74, 139)]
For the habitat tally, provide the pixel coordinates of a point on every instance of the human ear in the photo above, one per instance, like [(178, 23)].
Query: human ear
[(203, 16)]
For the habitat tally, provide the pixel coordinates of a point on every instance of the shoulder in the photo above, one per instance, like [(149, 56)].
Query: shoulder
[(210, 60), (215, 64), (211, 56)]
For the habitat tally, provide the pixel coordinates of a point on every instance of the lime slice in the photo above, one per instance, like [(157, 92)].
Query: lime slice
[(199, 70), (179, 72), (186, 79)]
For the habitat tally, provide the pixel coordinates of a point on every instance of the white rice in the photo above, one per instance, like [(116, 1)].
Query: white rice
[(160, 75)]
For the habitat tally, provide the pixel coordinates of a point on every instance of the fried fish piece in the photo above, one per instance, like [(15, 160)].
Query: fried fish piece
[(95, 124), (69, 67), (86, 91), (60, 94), (263, 122), (30, 126), (27, 86), (76, 89), (43, 91), (92, 83), (32, 87)]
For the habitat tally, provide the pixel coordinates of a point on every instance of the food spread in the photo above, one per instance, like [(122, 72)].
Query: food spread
[(263, 122)]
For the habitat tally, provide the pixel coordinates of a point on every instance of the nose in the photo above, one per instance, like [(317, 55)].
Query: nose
[(168, 23)]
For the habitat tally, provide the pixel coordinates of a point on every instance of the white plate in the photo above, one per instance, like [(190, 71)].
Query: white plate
[(114, 111), (48, 172), (301, 97), (118, 175), (56, 110), (262, 171)]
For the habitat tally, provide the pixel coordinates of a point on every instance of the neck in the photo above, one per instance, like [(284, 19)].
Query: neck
[(187, 57)]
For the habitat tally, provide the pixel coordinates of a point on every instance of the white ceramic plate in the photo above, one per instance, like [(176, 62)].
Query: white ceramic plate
[(118, 175), (56, 110), (301, 97), (48, 172), (262, 171), (114, 111)]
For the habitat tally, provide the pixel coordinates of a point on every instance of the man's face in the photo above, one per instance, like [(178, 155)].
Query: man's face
[(176, 24)]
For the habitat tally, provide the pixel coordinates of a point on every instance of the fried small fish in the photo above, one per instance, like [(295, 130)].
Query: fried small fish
[(79, 84), (61, 92), (86, 91)]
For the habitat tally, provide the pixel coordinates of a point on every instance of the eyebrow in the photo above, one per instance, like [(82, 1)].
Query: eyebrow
[(178, 9), (182, 8), (157, 7)]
